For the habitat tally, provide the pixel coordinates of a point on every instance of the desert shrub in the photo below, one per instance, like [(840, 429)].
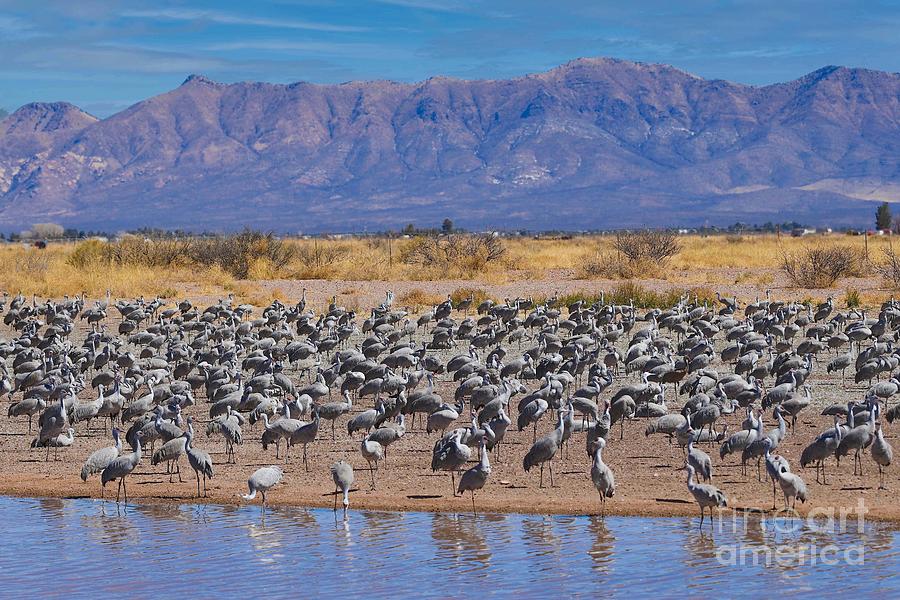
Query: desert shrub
[(637, 254), (632, 293), (889, 268), (460, 252), (32, 263), (819, 266), (654, 245), (417, 297), (319, 255), (605, 265), (240, 255), (87, 254), (852, 298)]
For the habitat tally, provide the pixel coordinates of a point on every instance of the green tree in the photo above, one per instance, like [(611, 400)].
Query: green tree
[(883, 217), (447, 226)]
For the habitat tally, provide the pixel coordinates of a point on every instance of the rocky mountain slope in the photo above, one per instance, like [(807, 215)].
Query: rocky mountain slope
[(595, 143)]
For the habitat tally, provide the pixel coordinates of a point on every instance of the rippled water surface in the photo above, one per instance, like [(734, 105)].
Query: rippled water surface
[(87, 548)]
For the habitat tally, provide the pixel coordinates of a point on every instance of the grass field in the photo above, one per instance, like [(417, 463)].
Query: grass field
[(741, 265)]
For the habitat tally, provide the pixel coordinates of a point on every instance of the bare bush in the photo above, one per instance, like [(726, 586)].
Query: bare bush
[(889, 269), (654, 245), (819, 266), (317, 256), (236, 254), (469, 253)]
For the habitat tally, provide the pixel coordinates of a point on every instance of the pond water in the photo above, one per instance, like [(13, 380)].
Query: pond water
[(89, 548)]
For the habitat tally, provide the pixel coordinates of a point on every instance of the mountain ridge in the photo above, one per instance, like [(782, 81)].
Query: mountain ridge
[(583, 145)]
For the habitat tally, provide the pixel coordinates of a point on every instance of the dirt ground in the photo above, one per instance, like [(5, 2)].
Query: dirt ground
[(647, 481)]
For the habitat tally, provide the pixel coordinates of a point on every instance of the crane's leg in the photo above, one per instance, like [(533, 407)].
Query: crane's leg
[(335, 498), (550, 466), (305, 464), (372, 473), (178, 470), (453, 483), (542, 475), (773, 494), (197, 473), (125, 490), (119, 491), (332, 430), (701, 518)]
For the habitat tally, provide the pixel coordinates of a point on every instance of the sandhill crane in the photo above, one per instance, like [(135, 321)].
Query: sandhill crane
[(229, 427), (620, 409), (333, 410), (792, 486), (100, 459), (122, 466), (794, 404), (450, 455), (442, 418), (342, 474), (475, 478), (373, 452), (262, 480), (856, 439), (602, 475), (87, 411), (199, 460), (666, 424), (389, 433), (171, 453), (775, 466), (366, 420), (306, 435), (705, 495), (27, 407), (544, 449), (280, 429), (699, 460), (63, 440), (53, 423), (821, 448), (882, 454)]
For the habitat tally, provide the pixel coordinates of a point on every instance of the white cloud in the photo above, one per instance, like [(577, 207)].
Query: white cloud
[(187, 14)]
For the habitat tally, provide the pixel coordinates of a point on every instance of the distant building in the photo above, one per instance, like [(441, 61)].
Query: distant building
[(802, 231)]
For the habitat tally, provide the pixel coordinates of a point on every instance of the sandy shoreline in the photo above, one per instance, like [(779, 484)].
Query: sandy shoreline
[(647, 482)]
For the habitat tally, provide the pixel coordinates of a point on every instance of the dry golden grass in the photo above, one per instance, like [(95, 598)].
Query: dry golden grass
[(703, 262)]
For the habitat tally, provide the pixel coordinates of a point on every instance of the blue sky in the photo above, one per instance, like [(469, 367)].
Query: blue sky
[(104, 55)]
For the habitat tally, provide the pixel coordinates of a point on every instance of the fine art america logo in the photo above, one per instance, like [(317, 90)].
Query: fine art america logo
[(825, 536)]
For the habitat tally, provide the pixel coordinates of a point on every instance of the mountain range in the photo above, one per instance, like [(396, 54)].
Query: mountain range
[(595, 143)]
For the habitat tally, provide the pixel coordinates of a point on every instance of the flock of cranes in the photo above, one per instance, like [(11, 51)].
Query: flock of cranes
[(586, 367)]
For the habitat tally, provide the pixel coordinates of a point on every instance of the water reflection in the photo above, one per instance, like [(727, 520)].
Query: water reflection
[(459, 541), (602, 541), (230, 550)]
